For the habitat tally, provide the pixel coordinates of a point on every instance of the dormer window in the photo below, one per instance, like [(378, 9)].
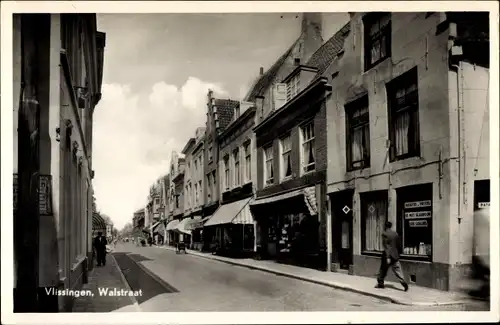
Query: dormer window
[(292, 87), (236, 112)]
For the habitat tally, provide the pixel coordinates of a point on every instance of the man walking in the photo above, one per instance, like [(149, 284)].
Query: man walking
[(390, 257), (100, 243)]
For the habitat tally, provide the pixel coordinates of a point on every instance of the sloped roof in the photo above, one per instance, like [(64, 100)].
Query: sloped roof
[(267, 78), (225, 111), (324, 56)]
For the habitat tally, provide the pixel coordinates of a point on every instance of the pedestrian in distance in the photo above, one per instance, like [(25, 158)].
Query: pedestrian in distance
[(390, 257), (100, 243)]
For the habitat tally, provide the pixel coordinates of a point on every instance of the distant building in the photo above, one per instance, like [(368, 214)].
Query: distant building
[(176, 209)]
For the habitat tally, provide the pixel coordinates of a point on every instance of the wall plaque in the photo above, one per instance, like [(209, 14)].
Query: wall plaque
[(45, 195)]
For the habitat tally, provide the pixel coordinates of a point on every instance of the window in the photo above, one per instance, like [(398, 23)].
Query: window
[(236, 112), (308, 149), (196, 194), (286, 163), (157, 201), (200, 193), (177, 201), (373, 218), (196, 166), (358, 135), (292, 87), (237, 175), (414, 223), (226, 172), (248, 162), (188, 198), (268, 169), (209, 187), (377, 38), (210, 157), (214, 183), (403, 116)]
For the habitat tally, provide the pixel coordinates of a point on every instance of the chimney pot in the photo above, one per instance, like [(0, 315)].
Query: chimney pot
[(261, 71)]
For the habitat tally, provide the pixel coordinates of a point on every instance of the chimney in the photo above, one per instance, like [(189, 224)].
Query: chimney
[(296, 62), (311, 34), (261, 71)]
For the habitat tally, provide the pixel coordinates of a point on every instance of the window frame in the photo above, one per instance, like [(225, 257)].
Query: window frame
[(370, 20), (237, 168), (268, 153), (227, 173), (210, 153), (283, 175), (416, 192), (364, 199), (293, 87), (304, 169), (247, 150), (404, 81), (209, 187), (351, 125)]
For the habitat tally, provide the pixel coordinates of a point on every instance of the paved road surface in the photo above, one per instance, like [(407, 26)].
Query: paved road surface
[(196, 284)]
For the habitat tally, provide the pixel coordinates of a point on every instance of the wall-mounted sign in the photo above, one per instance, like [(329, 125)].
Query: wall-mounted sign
[(45, 195), (418, 223), (15, 183), (483, 205), (418, 204), (418, 215)]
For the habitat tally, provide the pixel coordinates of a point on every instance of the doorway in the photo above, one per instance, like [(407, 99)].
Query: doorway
[(342, 227)]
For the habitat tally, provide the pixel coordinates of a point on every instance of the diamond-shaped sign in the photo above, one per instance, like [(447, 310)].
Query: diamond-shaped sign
[(371, 208), (346, 209)]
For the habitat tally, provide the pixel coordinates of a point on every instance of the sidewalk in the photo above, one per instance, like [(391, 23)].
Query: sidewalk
[(108, 276), (416, 296)]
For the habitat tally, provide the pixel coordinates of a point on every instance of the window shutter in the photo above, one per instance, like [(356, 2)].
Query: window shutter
[(279, 95)]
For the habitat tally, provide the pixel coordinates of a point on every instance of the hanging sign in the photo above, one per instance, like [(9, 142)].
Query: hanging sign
[(45, 195), (418, 223), (418, 204), (418, 215)]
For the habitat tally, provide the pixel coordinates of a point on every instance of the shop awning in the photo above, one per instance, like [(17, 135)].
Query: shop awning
[(155, 225), (98, 222), (197, 222), (309, 195), (172, 224), (181, 226), (160, 228), (231, 213)]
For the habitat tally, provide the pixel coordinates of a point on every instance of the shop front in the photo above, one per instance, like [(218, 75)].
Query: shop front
[(172, 235), (196, 228), (288, 228), (231, 229), (184, 232), (158, 232)]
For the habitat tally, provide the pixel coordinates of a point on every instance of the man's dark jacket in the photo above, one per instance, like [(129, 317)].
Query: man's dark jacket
[(392, 244), (100, 243)]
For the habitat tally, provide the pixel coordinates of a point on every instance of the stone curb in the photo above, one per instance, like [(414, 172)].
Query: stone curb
[(125, 282), (331, 284)]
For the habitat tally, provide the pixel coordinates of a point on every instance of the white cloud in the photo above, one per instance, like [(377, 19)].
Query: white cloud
[(134, 135)]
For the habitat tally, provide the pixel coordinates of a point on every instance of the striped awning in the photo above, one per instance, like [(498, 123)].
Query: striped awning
[(98, 222), (233, 212), (182, 226), (196, 223), (159, 228), (309, 195), (172, 224)]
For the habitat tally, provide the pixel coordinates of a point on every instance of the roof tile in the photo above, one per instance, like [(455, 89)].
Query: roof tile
[(225, 111)]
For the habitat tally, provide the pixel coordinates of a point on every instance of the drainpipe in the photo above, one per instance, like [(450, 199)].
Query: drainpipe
[(460, 149), (329, 247)]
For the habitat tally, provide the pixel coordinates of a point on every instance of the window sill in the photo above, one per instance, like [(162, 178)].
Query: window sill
[(355, 169), (371, 253), (370, 67), (416, 258), (406, 157), (284, 179), (307, 172)]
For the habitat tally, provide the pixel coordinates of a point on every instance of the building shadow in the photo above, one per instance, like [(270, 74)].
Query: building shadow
[(140, 278)]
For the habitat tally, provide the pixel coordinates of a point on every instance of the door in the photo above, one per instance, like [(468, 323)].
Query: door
[(342, 224)]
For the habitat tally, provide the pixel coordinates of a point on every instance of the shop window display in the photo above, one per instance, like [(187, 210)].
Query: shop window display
[(415, 220)]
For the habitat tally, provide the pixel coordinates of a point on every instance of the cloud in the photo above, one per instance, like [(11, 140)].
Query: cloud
[(134, 136)]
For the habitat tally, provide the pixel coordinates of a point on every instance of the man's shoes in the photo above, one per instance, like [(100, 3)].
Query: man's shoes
[(405, 286), (380, 286)]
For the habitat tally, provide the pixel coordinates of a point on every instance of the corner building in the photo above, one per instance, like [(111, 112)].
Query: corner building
[(408, 139)]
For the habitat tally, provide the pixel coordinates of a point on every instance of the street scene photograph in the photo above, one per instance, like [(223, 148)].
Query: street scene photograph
[(252, 161)]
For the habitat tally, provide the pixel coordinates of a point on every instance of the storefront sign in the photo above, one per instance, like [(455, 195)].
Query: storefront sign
[(418, 223), (45, 195), (418, 215), (482, 205), (418, 204)]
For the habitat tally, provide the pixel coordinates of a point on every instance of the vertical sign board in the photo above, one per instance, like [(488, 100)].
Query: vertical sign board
[(416, 226), (45, 195), (15, 182)]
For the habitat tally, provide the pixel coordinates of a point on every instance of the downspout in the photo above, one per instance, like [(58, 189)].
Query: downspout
[(460, 149)]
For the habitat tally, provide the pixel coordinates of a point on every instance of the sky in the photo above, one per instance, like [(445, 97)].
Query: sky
[(157, 71)]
